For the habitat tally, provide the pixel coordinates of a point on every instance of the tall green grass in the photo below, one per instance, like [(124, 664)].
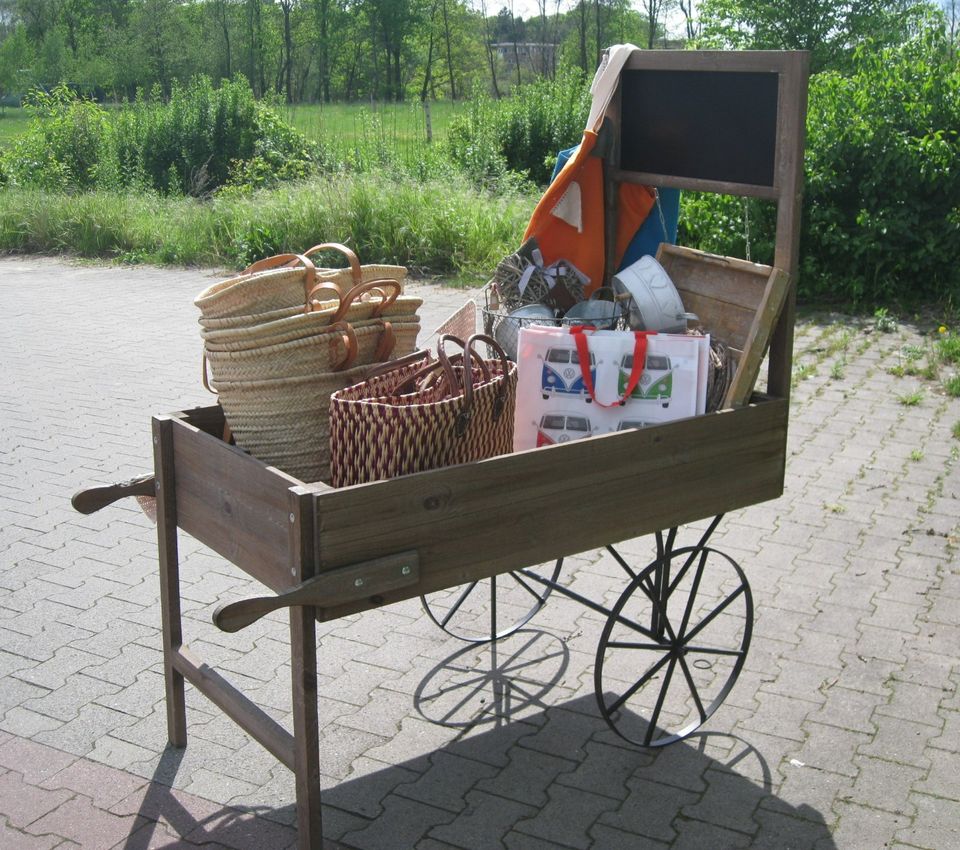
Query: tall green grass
[(441, 227), (13, 122)]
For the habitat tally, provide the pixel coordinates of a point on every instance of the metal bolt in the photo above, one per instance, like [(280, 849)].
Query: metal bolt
[(156, 440), (358, 582), (292, 517), (156, 485), (405, 571)]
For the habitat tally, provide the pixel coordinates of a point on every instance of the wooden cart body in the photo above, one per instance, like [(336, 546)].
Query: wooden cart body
[(375, 544)]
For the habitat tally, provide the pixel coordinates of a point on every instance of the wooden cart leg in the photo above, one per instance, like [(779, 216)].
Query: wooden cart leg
[(169, 577), (303, 664)]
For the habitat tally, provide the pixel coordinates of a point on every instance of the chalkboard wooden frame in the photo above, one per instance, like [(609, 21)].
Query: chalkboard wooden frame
[(782, 130)]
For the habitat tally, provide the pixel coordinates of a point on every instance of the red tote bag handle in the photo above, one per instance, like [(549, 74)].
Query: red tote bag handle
[(639, 360)]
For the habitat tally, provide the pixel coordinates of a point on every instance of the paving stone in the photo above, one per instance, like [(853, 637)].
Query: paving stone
[(935, 825), (89, 826), (22, 803), (34, 761), (484, 822), (650, 810), (899, 741), (401, 824), (447, 782), (884, 785), (565, 819), (859, 826), (14, 839), (695, 835), (830, 748)]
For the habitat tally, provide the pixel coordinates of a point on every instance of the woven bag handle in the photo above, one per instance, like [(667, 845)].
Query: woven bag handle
[(349, 338), (352, 258), (437, 370), (388, 290), (286, 261), (500, 401)]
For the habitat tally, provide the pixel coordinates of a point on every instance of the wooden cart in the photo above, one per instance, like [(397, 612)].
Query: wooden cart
[(725, 122)]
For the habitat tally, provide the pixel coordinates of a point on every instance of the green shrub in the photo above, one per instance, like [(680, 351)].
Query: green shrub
[(881, 207), (523, 132), (200, 139)]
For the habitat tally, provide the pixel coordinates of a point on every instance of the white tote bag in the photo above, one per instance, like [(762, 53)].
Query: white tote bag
[(576, 382)]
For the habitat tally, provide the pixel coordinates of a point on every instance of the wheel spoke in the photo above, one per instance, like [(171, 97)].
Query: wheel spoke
[(693, 591), (638, 684), (663, 695), (626, 644), (456, 605), (714, 613), (711, 650), (526, 587), (693, 689), (626, 567)]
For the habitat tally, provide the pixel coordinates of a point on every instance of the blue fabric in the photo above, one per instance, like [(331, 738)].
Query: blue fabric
[(651, 233)]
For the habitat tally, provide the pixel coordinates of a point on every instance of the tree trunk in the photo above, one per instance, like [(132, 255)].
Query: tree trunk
[(446, 35), (583, 36)]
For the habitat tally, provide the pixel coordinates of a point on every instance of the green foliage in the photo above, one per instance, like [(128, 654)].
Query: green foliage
[(61, 148), (829, 30), (948, 347), (881, 211), (523, 132), (437, 226), (198, 140)]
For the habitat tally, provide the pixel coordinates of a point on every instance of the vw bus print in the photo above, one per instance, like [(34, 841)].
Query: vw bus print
[(561, 373), (629, 424), (561, 428), (656, 382)]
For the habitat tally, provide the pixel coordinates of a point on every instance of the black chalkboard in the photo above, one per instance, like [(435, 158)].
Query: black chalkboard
[(708, 125)]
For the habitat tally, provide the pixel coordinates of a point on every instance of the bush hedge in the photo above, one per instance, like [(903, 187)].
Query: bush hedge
[(881, 211)]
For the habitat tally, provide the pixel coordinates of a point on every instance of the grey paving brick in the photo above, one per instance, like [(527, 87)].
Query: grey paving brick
[(401, 824), (566, 817)]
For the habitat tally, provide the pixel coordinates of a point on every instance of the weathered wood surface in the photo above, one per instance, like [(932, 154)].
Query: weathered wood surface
[(232, 502), (736, 301), (481, 519)]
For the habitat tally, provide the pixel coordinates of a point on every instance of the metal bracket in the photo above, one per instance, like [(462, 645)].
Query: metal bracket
[(367, 579)]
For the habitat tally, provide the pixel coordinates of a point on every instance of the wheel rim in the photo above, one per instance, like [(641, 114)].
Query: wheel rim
[(488, 609), (673, 646)]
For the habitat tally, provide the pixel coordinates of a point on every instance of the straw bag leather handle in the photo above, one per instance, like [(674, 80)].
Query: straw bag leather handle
[(286, 261), (352, 258), (388, 290), (348, 337)]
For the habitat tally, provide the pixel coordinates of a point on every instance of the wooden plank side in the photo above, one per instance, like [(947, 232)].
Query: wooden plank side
[(736, 282), (481, 519), (757, 340), (731, 325), (234, 504)]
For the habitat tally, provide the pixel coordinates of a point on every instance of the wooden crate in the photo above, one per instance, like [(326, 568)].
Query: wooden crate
[(736, 301)]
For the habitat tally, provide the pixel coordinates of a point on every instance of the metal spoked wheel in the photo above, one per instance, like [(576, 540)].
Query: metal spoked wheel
[(489, 609), (673, 645)]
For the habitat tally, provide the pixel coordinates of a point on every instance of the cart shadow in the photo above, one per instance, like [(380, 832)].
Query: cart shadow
[(521, 772), (517, 771)]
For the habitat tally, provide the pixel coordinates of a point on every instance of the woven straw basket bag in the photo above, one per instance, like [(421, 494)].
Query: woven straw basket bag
[(283, 340), (424, 415), (283, 282)]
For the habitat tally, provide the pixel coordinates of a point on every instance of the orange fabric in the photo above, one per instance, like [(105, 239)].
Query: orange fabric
[(559, 240)]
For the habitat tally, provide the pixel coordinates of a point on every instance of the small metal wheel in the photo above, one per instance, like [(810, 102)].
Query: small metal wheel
[(488, 609), (673, 645)]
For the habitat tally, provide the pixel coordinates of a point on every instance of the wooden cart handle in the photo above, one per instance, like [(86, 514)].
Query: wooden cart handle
[(91, 500), (338, 586)]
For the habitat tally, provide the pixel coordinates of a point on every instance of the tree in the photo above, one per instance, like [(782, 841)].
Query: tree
[(829, 30)]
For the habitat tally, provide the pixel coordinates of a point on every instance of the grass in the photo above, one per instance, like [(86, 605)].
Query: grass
[(952, 386), (911, 399), (438, 227), (955, 430), (13, 121)]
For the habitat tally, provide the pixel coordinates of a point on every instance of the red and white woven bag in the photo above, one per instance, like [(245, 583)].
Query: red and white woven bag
[(424, 413)]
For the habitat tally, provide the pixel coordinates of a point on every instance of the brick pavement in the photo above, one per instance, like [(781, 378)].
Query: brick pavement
[(843, 730)]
